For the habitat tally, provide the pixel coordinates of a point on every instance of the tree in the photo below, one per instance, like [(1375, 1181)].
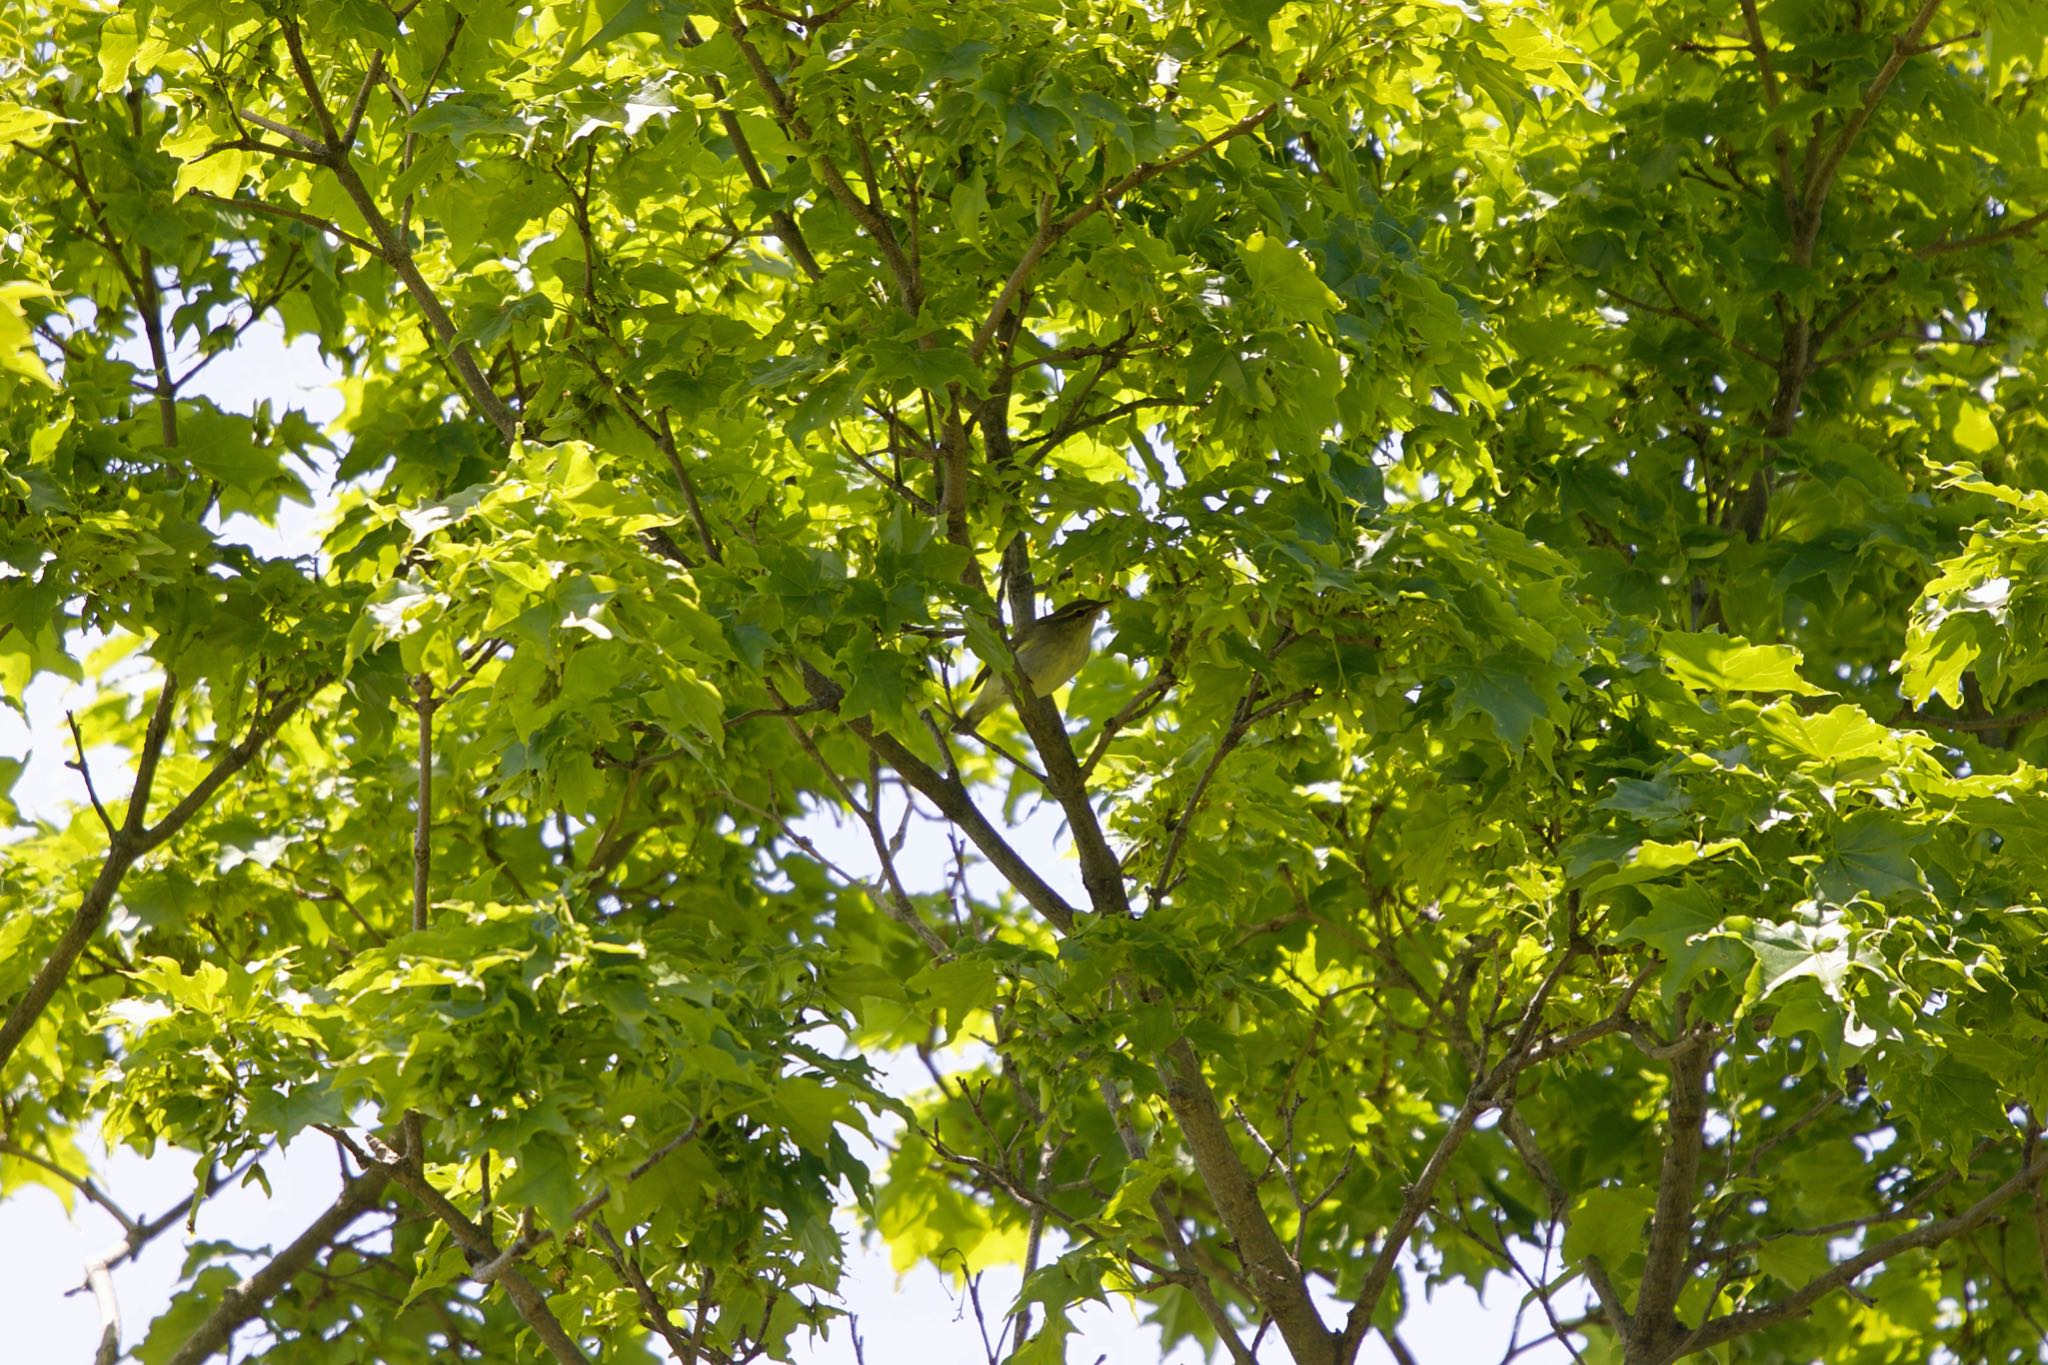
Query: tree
[(1555, 793)]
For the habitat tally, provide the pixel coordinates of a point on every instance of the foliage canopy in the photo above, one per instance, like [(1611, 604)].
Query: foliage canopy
[(1555, 792)]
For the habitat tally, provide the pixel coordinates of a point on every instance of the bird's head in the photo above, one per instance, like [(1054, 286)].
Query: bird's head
[(1081, 608)]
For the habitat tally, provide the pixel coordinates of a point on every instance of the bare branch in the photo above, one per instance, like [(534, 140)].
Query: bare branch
[(313, 220), (2019, 227), (83, 1184), (101, 1279), (298, 137), (85, 771), (1272, 1275)]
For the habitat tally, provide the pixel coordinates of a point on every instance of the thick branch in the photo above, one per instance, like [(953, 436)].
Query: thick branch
[(953, 801), (245, 1300), (1904, 45), (393, 248), (1655, 1329), (475, 1242), (1274, 1278), (1102, 872), (124, 847), (1169, 1227)]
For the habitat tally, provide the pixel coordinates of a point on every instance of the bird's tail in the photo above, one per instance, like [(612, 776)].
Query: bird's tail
[(986, 700)]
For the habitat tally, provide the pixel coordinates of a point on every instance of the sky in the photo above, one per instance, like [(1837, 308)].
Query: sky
[(918, 1316)]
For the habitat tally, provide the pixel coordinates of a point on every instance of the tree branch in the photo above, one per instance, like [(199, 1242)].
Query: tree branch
[(85, 772), (909, 291), (899, 903), (1248, 714), (1731, 1325), (261, 732), (1484, 1094), (245, 1300), (124, 848), (1781, 142), (1273, 1277), (1149, 696), (656, 1312), (394, 250), (953, 801), (1823, 179), (1050, 230), (83, 1184), (1654, 1328), (1973, 725), (786, 228), (1169, 1226), (1683, 314), (313, 220), (475, 1242), (2019, 227)]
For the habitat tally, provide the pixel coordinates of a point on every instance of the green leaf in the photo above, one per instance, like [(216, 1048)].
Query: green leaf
[(17, 342), (1505, 692), (1716, 663), (215, 172), (1794, 1261), (1608, 1224), (1792, 950), (120, 39), (287, 1112), (1652, 859), (1870, 854), (1972, 430), (1283, 278), (546, 1178)]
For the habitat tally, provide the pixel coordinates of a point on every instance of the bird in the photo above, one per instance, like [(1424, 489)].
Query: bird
[(1050, 651)]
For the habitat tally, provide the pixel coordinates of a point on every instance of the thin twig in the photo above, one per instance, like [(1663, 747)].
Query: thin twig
[(85, 771)]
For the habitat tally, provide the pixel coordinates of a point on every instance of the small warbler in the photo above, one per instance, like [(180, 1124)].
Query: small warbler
[(1050, 651)]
